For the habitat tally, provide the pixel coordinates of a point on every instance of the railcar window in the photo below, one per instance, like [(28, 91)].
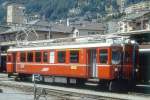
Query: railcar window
[(61, 56), (45, 56), (37, 56), (116, 57), (22, 57), (74, 56), (30, 57), (103, 56)]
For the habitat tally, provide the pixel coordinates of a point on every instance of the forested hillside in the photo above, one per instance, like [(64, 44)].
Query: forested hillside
[(56, 9)]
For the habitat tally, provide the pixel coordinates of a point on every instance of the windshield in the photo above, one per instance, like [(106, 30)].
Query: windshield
[(116, 57)]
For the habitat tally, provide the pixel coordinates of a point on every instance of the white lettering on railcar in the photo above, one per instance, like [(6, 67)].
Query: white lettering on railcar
[(45, 69)]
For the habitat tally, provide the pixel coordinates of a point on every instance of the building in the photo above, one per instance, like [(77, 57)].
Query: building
[(87, 28), (121, 3), (15, 34), (112, 26), (42, 30), (15, 14), (142, 6), (32, 32), (135, 21)]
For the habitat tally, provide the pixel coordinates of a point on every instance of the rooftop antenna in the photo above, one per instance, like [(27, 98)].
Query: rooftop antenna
[(25, 34)]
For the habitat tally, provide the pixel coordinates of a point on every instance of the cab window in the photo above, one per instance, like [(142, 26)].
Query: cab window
[(74, 56), (116, 57), (103, 56)]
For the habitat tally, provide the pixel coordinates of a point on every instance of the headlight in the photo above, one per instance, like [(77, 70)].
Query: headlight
[(116, 69), (136, 70)]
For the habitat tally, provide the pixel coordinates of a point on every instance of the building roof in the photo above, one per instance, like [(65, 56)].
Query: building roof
[(39, 22), (136, 15), (47, 26), (3, 28), (61, 28), (90, 26), (43, 25)]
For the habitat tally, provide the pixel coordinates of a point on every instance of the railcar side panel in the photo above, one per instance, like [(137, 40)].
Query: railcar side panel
[(56, 67), (105, 69), (56, 70), (9, 63)]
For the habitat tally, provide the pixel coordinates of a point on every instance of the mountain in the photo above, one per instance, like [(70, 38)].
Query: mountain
[(58, 9)]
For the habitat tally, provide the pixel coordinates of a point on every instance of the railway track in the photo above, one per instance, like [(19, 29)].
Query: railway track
[(59, 92), (70, 93)]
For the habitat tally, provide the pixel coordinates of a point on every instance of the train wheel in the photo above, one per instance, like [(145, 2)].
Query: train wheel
[(131, 85), (21, 77), (116, 85), (9, 75), (103, 85), (120, 85), (80, 81)]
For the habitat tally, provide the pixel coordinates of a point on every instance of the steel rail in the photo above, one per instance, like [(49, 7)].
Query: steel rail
[(67, 92)]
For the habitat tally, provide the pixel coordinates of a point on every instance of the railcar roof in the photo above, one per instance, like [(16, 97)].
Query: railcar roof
[(144, 50), (89, 45)]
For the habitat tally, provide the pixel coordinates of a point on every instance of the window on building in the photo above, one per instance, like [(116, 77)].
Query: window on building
[(89, 33), (74, 56), (97, 33), (103, 56), (30, 57), (38, 56), (92, 32), (61, 56), (46, 36), (22, 57), (51, 36), (45, 56)]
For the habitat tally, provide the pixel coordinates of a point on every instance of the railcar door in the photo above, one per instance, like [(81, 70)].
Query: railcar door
[(92, 63), (14, 61)]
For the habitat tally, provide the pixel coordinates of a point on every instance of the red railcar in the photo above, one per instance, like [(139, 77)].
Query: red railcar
[(107, 62)]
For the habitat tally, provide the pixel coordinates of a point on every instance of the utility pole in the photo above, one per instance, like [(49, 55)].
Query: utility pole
[(42, 92), (35, 90), (50, 29)]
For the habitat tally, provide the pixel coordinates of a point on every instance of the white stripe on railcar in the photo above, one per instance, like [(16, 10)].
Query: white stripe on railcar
[(50, 64), (144, 50), (91, 45)]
